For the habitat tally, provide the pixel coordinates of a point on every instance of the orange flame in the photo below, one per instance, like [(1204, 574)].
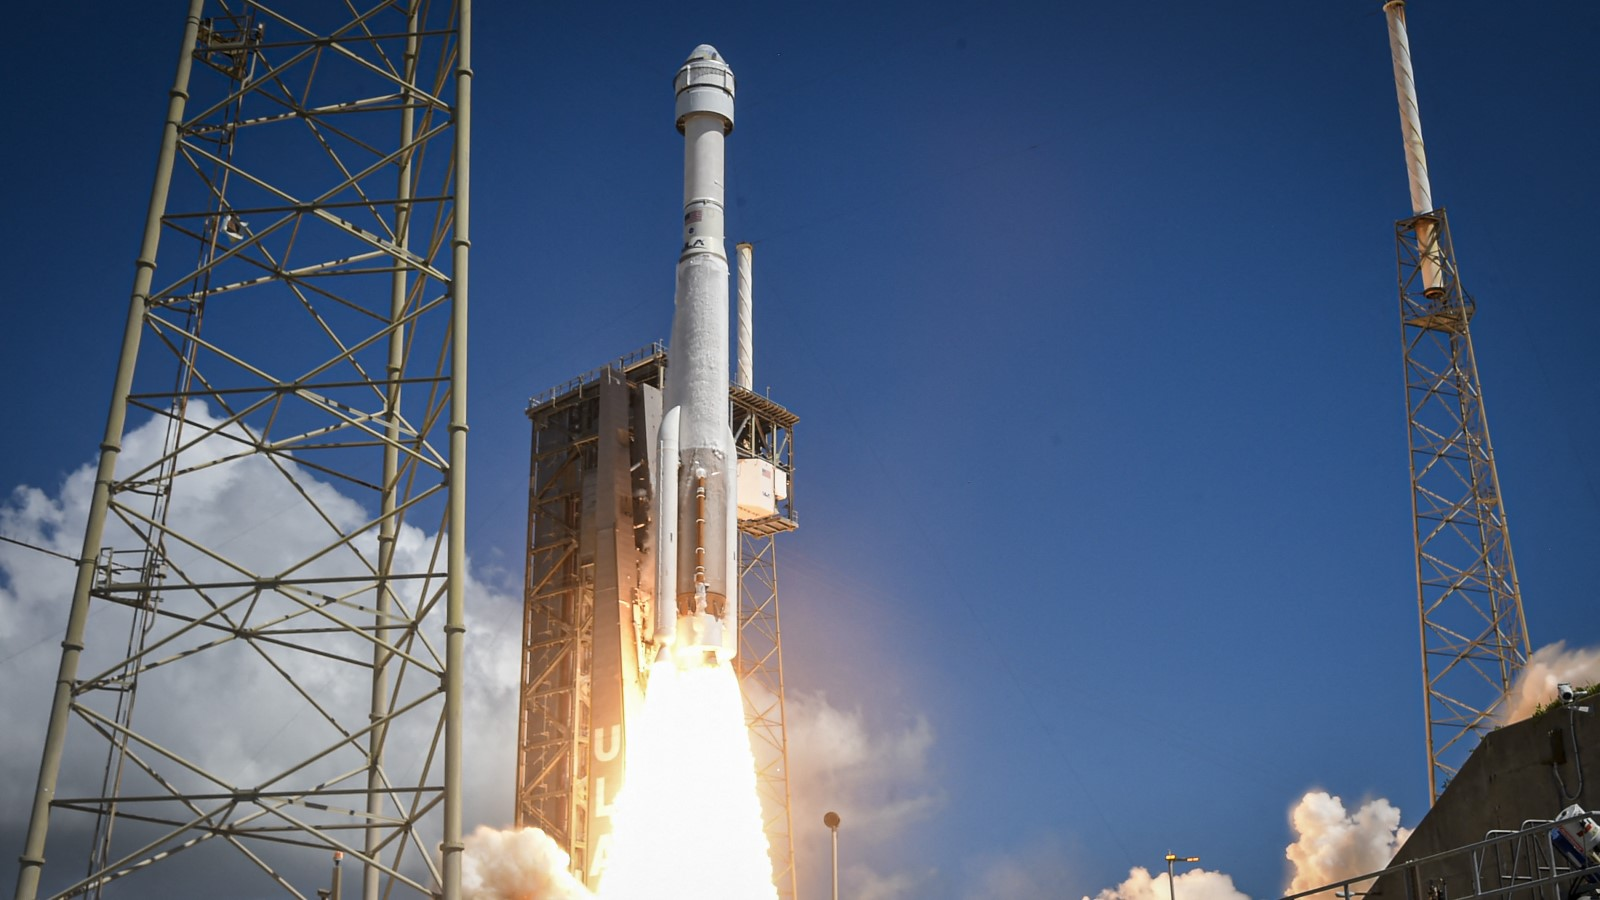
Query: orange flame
[(688, 821)]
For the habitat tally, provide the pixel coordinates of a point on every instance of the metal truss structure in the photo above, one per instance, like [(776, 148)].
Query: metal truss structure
[(277, 518), (566, 638), (557, 634), (763, 430), (1474, 637)]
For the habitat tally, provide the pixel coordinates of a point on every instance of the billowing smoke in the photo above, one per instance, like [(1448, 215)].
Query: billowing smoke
[(1331, 844), (1549, 666), (1198, 884), (1036, 869), (1334, 844), (34, 592), (872, 768), (874, 774), (520, 864)]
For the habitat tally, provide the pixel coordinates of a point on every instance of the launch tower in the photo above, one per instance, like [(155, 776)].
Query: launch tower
[(1474, 638), (589, 597), (297, 330)]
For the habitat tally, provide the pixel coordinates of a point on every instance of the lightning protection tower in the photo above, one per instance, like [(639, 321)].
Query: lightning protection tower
[(272, 564), (1474, 638)]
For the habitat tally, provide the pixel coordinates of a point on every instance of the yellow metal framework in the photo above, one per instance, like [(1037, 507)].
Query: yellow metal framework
[(1474, 637)]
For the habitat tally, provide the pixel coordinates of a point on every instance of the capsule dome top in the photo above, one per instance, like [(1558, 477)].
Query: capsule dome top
[(706, 51)]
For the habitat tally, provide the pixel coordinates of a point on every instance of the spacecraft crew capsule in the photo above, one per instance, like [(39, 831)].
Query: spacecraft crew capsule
[(697, 556)]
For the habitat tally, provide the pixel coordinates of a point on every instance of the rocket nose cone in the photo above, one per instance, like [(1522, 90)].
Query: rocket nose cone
[(705, 51)]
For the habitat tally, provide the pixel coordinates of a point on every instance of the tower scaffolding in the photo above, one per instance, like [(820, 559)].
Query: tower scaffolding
[(1474, 636), (295, 607), (762, 430), (588, 599)]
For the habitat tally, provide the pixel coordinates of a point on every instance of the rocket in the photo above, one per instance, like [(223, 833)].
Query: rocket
[(696, 553)]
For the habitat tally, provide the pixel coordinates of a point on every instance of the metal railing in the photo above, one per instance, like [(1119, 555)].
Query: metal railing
[(1514, 865), (622, 363)]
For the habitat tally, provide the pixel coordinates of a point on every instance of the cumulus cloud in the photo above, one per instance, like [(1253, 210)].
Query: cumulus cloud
[(251, 518), (1198, 884), (1549, 666), (1333, 844)]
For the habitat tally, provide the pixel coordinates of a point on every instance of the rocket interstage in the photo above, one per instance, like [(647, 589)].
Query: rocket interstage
[(697, 555)]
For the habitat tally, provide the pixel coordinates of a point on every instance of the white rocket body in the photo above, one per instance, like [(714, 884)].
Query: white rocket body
[(697, 553)]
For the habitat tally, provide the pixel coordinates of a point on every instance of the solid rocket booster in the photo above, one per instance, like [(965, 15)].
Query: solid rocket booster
[(697, 556)]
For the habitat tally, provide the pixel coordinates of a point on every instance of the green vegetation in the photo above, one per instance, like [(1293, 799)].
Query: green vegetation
[(1578, 694)]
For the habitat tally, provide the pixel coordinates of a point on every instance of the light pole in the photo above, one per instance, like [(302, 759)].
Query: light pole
[(832, 821), (1172, 886)]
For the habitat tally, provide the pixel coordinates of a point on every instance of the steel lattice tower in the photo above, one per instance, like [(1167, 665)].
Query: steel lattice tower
[(297, 664), (1474, 637), (763, 430)]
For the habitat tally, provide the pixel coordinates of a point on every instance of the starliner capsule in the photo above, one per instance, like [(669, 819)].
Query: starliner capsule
[(697, 554)]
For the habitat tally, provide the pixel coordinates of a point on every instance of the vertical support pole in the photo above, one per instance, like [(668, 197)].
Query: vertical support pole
[(744, 371), (384, 627), (455, 621), (32, 860)]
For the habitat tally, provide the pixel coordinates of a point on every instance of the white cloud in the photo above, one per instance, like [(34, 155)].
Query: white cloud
[(250, 516), (873, 770), (1195, 884), (1036, 870), (1549, 666), (874, 775), (1333, 844), (862, 882)]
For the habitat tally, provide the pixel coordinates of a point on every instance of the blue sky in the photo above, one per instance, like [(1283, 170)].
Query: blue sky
[(1088, 312)]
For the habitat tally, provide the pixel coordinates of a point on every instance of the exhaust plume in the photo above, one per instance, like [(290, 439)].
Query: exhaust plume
[(522, 864), (1548, 666)]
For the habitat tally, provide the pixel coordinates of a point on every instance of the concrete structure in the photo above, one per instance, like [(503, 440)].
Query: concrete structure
[(1530, 770)]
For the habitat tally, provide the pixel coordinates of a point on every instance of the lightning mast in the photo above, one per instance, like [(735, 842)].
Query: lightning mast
[(299, 661), (1474, 637)]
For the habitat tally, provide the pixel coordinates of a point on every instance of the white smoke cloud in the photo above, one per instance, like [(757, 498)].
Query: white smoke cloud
[(1036, 870), (1549, 666), (1334, 844), (245, 512), (523, 864), (1198, 884), (862, 882), (874, 776), (873, 770), (1331, 844)]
